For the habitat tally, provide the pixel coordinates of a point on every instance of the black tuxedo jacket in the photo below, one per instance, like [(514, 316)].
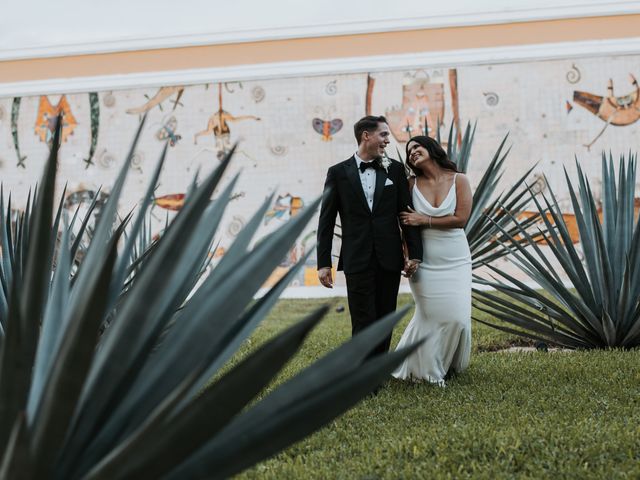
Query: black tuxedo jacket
[(366, 232)]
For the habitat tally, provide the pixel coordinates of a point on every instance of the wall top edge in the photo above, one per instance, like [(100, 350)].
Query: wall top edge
[(127, 43)]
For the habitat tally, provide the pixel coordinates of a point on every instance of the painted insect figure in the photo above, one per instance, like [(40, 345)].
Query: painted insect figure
[(327, 128), (168, 131)]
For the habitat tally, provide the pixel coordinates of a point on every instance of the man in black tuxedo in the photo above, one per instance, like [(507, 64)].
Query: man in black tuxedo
[(369, 193)]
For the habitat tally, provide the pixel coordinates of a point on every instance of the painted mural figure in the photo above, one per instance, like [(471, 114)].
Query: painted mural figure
[(46, 118), (614, 110), (421, 100), (441, 286), (156, 101), (369, 193), (285, 207), (218, 126)]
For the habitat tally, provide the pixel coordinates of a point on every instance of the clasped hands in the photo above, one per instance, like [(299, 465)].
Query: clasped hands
[(410, 267)]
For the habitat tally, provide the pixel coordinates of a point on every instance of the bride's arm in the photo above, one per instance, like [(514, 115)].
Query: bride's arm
[(464, 199)]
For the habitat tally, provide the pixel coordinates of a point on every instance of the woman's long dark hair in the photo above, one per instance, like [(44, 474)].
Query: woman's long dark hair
[(436, 152)]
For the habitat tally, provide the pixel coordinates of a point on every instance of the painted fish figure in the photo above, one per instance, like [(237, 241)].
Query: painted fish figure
[(173, 201)]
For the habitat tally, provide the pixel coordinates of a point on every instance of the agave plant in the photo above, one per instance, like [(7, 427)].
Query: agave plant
[(138, 401), (599, 305), (490, 221)]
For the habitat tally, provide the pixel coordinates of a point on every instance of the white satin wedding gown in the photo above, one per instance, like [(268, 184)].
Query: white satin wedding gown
[(441, 290)]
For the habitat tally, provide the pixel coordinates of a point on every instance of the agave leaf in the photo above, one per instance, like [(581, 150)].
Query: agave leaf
[(56, 226), (83, 226), (274, 427), (218, 404), (563, 243), (53, 325), (130, 338), (247, 324), (108, 213), (608, 278), (486, 186), (588, 247), (202, 335), (451, 145), (22, 235), (586, 328), (526, 333), (27, 305), (602, 311), (465, 146), (5, 249), (346, 357), (632, 337), (190, 344), (120, 272), (544, 328), (6, 274), (10, 245), (634, 282), (508, 307), (69, 371), (87, 307), (74, 428), (15, 459), (240, 246), (140, 258)]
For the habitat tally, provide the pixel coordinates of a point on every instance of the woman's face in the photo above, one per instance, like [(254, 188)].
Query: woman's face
[(417, 154)]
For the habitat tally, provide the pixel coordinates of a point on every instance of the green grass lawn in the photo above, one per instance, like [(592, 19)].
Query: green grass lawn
[(510, 415)]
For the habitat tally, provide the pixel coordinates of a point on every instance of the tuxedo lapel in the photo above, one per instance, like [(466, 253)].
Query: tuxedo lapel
[(381, 177), (351, 168)]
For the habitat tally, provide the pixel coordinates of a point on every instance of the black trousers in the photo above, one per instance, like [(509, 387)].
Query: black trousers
[(372, 294)]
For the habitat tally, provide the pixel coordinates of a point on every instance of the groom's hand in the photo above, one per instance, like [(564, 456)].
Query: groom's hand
[(324, 275)]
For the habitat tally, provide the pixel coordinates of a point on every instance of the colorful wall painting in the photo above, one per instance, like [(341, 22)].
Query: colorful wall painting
[(291, 130)]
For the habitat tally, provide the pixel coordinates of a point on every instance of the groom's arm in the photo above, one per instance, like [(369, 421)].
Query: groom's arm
[(327, 220), (411, 234)]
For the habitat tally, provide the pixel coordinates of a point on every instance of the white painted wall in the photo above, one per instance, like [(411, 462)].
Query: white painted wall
[(41, 28)]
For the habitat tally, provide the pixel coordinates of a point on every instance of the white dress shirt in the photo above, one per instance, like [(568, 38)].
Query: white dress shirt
[(368, 180)]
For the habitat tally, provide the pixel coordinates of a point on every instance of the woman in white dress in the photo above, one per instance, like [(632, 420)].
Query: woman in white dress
[(441, 284)]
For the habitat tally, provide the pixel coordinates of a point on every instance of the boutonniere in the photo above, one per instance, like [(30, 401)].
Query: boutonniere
[(385, 163)]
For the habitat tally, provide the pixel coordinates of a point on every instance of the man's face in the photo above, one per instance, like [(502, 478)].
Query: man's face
[(377, 141)]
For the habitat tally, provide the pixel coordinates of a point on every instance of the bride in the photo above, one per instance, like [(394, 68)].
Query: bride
[(441, 285)]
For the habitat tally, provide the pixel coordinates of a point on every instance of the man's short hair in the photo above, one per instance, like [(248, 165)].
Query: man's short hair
[(367, 124)]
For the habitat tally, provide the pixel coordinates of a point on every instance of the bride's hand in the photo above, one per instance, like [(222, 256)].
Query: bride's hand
[(412, 218), (410, 267)]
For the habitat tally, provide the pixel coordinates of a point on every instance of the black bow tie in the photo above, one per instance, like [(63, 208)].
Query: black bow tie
[(372, 164)]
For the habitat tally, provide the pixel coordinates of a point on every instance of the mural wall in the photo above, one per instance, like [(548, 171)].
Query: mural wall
[(291, 130)]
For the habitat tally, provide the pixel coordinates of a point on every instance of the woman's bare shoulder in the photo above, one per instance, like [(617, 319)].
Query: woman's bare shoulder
[(461, 178)]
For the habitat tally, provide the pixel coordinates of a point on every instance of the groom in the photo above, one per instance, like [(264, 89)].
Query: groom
[(369, 193)]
